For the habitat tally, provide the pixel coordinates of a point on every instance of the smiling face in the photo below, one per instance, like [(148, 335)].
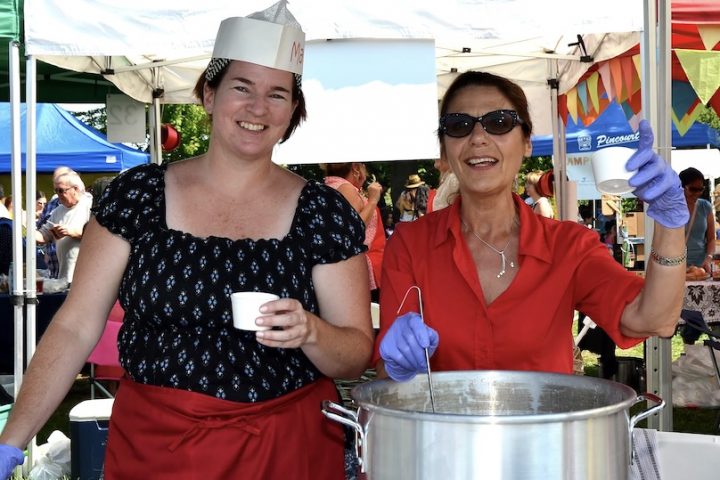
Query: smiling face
[(251, 108), (484, 163)]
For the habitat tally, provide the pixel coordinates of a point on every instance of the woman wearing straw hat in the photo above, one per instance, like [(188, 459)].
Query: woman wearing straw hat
[(204, 399), (499, 283), (412, 202)]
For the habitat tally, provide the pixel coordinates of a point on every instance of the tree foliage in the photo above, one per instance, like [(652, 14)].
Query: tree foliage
[(193, 125)]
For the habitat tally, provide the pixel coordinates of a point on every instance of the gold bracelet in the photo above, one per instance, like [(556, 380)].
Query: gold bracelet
[(668, 261)]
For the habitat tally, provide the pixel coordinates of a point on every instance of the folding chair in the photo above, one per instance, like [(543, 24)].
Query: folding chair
[(104, 359)]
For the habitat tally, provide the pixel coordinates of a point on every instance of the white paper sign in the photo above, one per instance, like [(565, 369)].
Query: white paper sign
[(125, 119)]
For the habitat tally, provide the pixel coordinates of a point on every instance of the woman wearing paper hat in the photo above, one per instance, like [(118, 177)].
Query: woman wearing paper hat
[(500, 284), (203, 399)]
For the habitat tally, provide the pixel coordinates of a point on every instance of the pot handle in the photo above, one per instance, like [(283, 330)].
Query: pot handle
[(340, 414), (635, 419)]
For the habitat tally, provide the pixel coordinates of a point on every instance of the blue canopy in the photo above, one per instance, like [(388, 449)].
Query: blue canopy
[(63, 140), (612, 128)]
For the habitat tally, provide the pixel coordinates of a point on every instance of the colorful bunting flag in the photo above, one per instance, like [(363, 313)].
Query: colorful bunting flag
[(703, 71), (710, 35)]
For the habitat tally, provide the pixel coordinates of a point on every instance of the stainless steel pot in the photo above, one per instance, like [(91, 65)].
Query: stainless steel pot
[(494, 425)]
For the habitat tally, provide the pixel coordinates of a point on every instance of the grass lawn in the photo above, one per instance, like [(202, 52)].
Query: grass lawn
[(685, 420)]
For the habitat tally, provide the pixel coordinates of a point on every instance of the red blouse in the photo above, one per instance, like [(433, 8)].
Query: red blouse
[(563, 267)]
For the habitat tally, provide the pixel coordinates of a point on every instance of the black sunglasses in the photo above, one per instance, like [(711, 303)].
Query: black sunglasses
[(498, 122)]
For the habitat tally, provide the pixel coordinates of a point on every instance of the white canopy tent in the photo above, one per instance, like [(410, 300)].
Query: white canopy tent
[(144, 47), (155, 54)]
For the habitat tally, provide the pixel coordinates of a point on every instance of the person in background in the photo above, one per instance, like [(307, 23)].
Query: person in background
[(348, 179), (412, 202), (40, 202), (4, 212), (699, 234), (540, 205), (499, 283), (51, 259), (444, 195), (66, 223), (204, 399), (700, 230)]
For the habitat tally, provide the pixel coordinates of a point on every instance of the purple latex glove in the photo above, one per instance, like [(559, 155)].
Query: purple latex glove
[(403, 347), (10, 457), (657, 184)]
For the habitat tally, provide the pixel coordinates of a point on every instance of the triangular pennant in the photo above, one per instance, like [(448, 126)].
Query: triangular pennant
[(572, 103), (592, 86), (616, 71), (583, 97), (710, 35), (635, 104), (703, 71), (680, 114), (683, 97), (562, 108), (628, 72), (606, 77), (683, 124), (715, 102), (638, 65), (627, 110)]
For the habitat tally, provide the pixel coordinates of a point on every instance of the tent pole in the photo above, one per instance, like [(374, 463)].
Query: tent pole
[(15, 174), (655, 53), (30, 186), (558, 135), (155, 133), (16, 276)]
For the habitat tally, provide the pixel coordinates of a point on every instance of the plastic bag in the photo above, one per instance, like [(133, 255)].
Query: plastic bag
[(53, 458), (694, 378)]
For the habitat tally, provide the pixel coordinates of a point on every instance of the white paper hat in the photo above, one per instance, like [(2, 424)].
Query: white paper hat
[(271, 38)]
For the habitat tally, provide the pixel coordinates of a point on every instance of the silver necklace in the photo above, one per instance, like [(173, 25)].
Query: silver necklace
[(499, 252)]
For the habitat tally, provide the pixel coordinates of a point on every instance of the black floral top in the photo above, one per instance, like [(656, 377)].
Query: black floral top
[(176, 289)]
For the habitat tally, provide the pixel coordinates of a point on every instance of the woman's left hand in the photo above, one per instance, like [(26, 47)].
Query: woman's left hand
[(656, 183), (288, 314)]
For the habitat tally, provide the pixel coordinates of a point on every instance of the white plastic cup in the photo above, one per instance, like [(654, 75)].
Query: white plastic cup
[(246, 309), (608, 165)]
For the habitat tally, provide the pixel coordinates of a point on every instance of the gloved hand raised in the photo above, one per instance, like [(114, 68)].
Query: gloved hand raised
[(403, 347), (657, 184), (10, 457)]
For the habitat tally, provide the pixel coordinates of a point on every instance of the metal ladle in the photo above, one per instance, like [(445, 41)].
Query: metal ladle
[(427, 349)]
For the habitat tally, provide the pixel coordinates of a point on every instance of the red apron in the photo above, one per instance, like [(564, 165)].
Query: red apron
[(164, 433)]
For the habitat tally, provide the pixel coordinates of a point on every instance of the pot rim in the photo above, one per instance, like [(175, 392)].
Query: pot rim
[(603, 411)]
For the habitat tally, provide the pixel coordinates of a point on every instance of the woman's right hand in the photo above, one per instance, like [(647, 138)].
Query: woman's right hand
[(403, 347), (10, 457), (374, 190)]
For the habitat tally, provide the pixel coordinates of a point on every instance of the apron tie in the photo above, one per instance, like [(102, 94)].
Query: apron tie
[(215, 423)]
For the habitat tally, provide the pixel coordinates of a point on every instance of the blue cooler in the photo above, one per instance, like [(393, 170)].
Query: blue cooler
[(88, 436)]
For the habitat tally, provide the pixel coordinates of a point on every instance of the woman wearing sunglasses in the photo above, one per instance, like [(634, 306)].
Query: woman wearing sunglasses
[(700, 230), (500, 284)]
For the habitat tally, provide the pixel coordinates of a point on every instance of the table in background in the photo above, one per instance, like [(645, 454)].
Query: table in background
[(703, 297), (48, 304)]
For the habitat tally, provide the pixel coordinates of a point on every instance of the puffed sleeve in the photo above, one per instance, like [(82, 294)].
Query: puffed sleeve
[(130, 201), (335, 231)]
